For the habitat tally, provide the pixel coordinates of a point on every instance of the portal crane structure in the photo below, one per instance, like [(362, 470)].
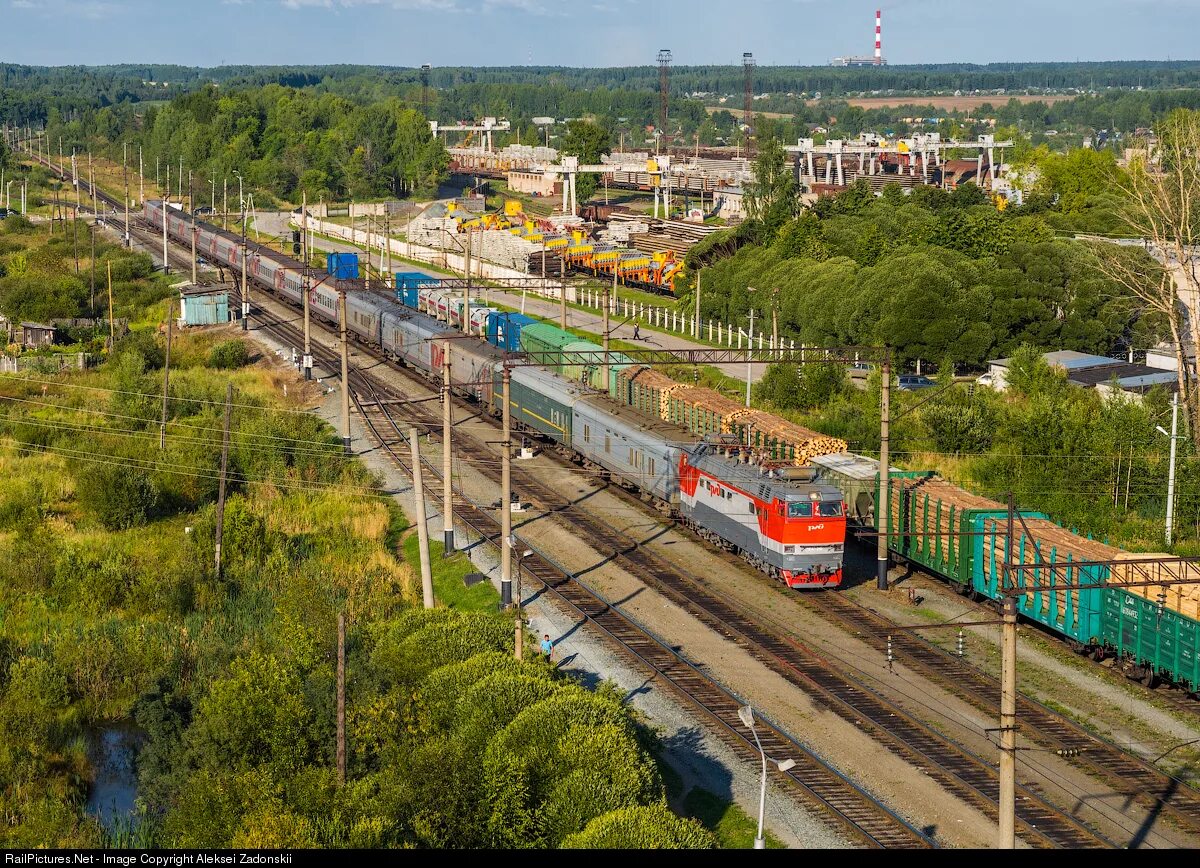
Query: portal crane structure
[(922, 150), (659, 169), (485, 128)]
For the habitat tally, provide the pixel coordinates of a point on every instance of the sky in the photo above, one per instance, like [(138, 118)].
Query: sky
[(588, 32)]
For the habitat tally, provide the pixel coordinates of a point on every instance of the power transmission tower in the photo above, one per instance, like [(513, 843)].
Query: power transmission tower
[(748, 88), (664, 87)]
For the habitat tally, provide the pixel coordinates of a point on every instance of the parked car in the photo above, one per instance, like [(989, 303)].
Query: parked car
[(912, 382), (860, 370)]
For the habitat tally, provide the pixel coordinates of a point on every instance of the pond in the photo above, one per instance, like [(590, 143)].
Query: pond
[(113, 751)]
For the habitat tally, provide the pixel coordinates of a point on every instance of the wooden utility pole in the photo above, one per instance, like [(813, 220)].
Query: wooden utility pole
[(225, 204), (447, 457), (162, 428), (112, 328), (506, 599), (1008, 696), (422, 520), (883, 502), (341, 700), (775, 318), (224, 470), (141, 178), (93, 238), (92, 185), (345, 342)]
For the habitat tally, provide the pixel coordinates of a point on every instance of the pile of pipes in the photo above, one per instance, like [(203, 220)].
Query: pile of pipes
[(530, 154), (621, 226), (502, 248), (432, 231)]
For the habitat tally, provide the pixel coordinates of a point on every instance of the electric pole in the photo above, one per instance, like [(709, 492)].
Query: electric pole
[(341, 700), (345, 422), (506, 599), (1008, 697), (1171, 472), (224, 470), (192, 206), (562, 296), (884, 502), (749, 353), (447, 459), (696, 333), (162, 428), (422, 520), (166, 217), (307, 361)]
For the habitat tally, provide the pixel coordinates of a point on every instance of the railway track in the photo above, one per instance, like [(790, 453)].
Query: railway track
[(814, 781), (957, 769), (1127, 774)]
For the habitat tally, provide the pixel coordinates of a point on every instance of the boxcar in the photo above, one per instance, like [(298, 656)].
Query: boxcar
[(546, 343), (578, 361), (504, 329), (643, 453)]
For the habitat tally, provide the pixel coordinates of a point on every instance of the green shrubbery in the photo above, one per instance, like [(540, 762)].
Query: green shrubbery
[(228, 354)]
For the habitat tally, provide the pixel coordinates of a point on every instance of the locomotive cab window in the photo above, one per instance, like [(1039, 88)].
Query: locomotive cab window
[(829, 507), (800, 509)]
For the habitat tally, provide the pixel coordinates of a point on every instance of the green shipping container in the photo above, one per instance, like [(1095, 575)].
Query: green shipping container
[(546, 343), (1158, 638)]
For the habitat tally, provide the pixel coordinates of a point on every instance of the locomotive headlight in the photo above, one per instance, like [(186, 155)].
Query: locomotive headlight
[(814, 496)]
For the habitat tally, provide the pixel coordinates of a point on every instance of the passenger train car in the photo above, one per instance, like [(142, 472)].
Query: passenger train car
[(797, 527)]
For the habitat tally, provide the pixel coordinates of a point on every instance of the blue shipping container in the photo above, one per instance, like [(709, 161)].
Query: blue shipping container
[(405, 279), (342, 266), (504, 330)]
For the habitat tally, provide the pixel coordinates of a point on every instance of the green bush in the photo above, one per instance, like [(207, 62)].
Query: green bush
[(228, 355), (118, 496), (648, 827)]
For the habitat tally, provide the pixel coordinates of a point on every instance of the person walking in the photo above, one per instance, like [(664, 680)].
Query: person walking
[(547, 648), (637, 332)]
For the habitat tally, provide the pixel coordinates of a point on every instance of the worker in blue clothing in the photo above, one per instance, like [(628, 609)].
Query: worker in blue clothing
[(547, 647)]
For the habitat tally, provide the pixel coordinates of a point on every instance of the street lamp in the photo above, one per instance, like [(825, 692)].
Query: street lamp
[(1175, 438), (746, 714)]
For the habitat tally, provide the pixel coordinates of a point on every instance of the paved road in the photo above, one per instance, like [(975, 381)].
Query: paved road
[(276, 223)]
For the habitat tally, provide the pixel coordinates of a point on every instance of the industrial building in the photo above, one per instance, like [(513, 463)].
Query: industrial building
[(875, 59)]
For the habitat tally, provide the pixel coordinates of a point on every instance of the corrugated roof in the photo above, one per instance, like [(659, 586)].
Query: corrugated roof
[(1068, 360)]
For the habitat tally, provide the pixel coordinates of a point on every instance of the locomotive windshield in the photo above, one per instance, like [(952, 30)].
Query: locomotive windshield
[(800, 509), (829, 507)]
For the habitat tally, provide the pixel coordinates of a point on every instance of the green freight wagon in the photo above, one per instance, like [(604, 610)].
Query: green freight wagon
[(545, 343), (1077, 613), (1152, 641), (579, 361), (962, 536), (617, 363)]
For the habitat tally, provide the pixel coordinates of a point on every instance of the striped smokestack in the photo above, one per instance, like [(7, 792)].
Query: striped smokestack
[(878, 36)]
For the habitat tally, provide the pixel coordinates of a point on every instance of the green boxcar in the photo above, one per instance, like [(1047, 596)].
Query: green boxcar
[(579, 362), (619, 361), (546, 343), (1160, 639)]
